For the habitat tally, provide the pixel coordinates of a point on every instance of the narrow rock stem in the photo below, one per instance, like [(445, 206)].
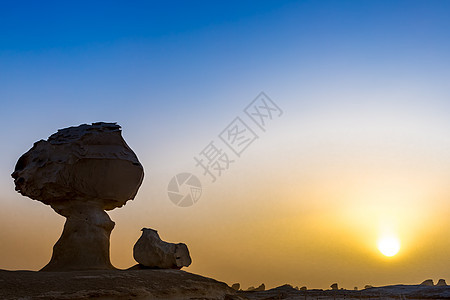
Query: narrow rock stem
[(84, 243)]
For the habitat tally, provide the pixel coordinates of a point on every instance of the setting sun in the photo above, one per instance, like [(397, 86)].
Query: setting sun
[(389, 245)]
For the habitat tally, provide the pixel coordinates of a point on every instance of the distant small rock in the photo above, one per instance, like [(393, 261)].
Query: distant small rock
[(368, 286), (260, 288), (236, 286), (303, 288), (441, 282), (355, 288), (334, 286), (428, 282)]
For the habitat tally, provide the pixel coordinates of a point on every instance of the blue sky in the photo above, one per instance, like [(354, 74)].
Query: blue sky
[(359, 82), (125, 59), (162, 56)]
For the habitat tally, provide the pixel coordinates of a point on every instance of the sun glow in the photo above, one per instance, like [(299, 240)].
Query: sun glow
[(389, 245)]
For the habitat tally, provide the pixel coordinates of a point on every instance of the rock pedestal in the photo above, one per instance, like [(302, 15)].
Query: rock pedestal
[(84, 243)]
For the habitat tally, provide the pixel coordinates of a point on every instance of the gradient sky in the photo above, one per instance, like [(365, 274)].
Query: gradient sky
[(363, 146)]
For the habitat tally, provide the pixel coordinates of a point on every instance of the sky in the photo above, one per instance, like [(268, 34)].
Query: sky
[(359, 152)]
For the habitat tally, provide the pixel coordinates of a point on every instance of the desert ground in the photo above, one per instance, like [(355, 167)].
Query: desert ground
[(176, 284)]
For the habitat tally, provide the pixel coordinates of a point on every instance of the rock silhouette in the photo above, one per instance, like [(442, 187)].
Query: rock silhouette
[(81, 172), (152, 252), (428, 282), (441, 282)]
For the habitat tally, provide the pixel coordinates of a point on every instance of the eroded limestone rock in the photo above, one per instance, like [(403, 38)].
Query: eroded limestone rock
[(152, 252), (81, 172)]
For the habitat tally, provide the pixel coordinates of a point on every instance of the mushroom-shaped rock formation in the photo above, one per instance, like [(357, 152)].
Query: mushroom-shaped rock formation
[(152, 252), (81, 172)]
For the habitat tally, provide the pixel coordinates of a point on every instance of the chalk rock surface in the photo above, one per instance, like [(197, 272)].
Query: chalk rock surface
[(111, 285), (152, 252), (81, 172)]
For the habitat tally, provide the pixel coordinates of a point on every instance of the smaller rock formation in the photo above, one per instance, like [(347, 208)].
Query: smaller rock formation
[(236, 286), (428, 282), (152, 252), (303, 288), (441, 282), (334, 286), (368, 286)]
